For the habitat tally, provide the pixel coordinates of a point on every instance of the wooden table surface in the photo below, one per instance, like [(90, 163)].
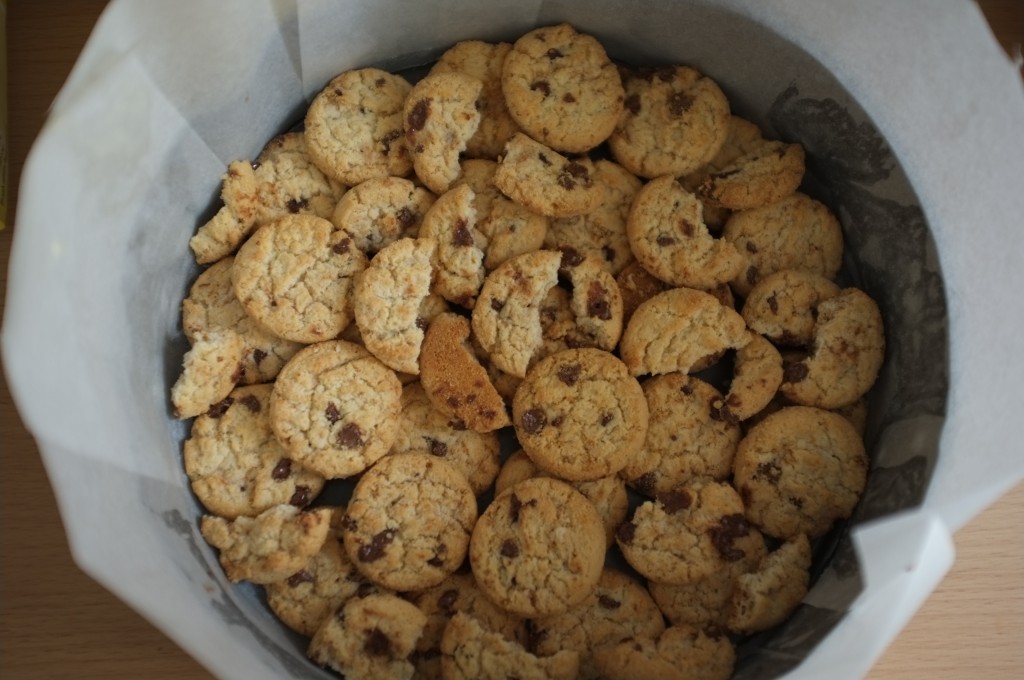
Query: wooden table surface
[(56, 622)]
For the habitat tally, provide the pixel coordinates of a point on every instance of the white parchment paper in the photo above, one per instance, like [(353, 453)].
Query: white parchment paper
[(166, 94)]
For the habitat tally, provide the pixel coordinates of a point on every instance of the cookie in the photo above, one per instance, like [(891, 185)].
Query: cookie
[(304, 600), (282, 181), (770, 172), (387, 300), (212, 304), (703, 604), (783, 306), (687, 437), (459, 264), (608, 494), (595, 303), (637, 285), (768, 595), (508, 228), (756, 376), (667, 234), (409, 521), (270, 546), (369, 638), (680, 653), (561, 88), (335, 408), (799, 471), (354, 128), (454, 381), (380, 211), (472, 652), (506, 319), (580, 415), (686, 534), (295, 276), (458, 593), (210, 370), (619, 608), (682, 330), (674, 121), (742, 138), (483, 61), (440, 117), (538, 549), (600, 233), (424, 429), (235, 464), (796, 232), (845, 356), (545, 181)]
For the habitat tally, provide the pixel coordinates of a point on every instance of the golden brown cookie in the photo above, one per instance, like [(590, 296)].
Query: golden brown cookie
[(580, 415), (538, 549), (210, 370), (354, 129), (381, 210), (545, 181), (459, 263), (799, 471), (470, 651), (409, 521), (295, 276), (335, 408), (561, 88), (440, 117), (768, 173), (675, 120), (454, 380), (767, 595), (680, 330), (680, 653)]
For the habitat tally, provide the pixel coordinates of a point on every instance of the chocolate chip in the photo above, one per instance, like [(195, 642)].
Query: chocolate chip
[(437, 447), (632, 103), (350, 437), (571, 257), (608, 602), (554, 53), (405, 218), (438, 559), (751, 247), (719, 411), (533, 421), (497, 305), (687, 389), (251, 402), (665, 241), (457, 424), (569, 373), (377, 643), (422, 323), (608, 252), (769, 471), (687, 228), (387, 139), (509, 548), (626, 532), (752, 275), (297, 206), (798, 503), (298, 578), (342, 246), (282, 470), (566, 181), (374, 550), (794, 371), (380, 82), (418, 116), (365, 589), (773, 304), (568, 98), (646, 483), (679, 103), (462, 236), (598, 305), (349, 524), (544, 159), (220, 408), (675, 500), (606, 418), (258, 355), (453, 401), (301, 498), (516, 506), (724, 534), (332, 413), (446, 602), (558, 420), (541, 86), (579, 171)]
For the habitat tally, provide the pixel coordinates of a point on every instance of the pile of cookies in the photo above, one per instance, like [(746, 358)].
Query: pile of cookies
[(535, 247)]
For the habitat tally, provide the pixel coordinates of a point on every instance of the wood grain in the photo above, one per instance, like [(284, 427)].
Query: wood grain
[(56, 622)]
